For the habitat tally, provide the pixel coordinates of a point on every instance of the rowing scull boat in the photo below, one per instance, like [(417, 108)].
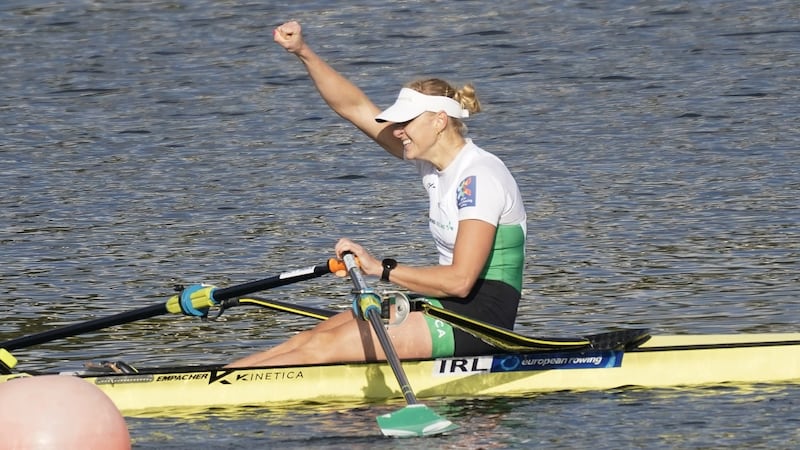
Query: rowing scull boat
[(661, 361), (523, 364)]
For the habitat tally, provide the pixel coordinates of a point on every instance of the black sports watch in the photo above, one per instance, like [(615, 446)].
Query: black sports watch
[(388, 265)]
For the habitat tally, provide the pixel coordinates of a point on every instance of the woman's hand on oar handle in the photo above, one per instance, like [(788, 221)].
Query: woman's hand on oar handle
[(368, 264)]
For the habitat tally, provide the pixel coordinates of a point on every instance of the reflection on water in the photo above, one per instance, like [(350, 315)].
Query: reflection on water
[(697, 417)]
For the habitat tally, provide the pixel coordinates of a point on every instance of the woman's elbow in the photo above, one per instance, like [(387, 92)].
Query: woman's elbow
[(461, 287)]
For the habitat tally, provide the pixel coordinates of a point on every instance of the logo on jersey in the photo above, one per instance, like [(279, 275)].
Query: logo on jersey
[(466, 195)]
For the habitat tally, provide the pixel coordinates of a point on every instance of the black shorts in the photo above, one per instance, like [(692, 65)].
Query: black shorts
[(490, 301)]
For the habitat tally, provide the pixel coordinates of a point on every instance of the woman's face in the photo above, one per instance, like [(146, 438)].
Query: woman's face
[(418, 136)]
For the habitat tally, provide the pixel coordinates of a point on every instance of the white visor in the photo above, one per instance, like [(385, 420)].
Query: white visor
[(411, 103)]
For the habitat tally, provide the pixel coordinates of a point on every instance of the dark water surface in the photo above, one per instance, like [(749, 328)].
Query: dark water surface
[(150, 143)]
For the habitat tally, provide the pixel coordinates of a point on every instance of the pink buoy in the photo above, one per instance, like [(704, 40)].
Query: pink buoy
[(59, 412)]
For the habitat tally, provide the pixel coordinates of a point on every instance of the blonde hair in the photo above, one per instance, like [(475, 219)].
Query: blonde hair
[(465, 96)]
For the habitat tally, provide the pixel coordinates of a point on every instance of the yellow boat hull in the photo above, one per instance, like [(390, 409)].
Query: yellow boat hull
[(663, 361)]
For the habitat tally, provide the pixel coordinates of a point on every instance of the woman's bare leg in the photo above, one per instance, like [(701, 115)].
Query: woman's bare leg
[(293, 342), (346, 340)]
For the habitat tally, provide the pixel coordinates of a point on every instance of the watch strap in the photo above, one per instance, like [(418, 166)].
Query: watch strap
[(388, 265)]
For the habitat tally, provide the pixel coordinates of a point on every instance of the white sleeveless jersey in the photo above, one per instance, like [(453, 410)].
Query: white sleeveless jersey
[(477, 185)]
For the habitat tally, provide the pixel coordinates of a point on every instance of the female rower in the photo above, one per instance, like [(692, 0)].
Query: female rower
[(477, 219)]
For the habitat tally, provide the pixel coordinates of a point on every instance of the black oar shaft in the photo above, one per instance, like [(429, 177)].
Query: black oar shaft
[(85, 327), (161, 308), (391, 356), (374, 317), (271, 282)]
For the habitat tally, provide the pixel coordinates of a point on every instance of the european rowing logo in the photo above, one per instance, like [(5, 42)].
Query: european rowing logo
[(465, 195), (550, 361)]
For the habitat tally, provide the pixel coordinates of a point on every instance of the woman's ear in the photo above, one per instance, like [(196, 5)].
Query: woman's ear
[(441, 121)]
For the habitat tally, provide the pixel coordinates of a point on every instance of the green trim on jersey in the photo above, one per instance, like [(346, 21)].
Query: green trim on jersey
[(507, 257)]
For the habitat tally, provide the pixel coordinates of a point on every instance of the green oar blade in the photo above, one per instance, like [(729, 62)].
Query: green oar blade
[(414, 421)]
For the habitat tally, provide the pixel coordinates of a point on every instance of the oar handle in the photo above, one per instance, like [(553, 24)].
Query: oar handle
[(354, 270)]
